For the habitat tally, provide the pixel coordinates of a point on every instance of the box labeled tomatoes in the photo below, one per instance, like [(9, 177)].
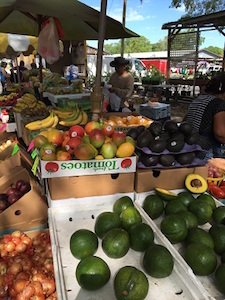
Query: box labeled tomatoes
[(51, 169)]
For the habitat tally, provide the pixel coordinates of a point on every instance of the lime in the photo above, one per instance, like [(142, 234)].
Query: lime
[(218, 215), (130, 284), (218, 234), (141, 236), (201, 259), (202, 210), (105, 222), (220, 278), (199, 235), (153, 205), (92, 273), (208, 198), (175, 206), (116, 243), (189, 218), (121, 204), (83, 243), (158, 261), (129, 217), (186, 197), (174, 228)]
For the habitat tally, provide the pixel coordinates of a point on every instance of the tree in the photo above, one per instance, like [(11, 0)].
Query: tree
[(197, 7), (216, 50), (131, 45)]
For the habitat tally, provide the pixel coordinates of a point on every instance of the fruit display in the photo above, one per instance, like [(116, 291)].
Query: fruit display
[(75, 87), (83, 143), (194, 225), (166, 145), (50, 121), (26, 267), (30, 107), (9, 100), (14, 193), (5, 144), (126, 121)]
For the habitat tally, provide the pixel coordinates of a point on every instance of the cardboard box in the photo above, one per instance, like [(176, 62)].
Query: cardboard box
[(29, 212), (9, 162), (18, 119), (160, 111), (171, 179), (89, 186), (25, 134), (51, 169)]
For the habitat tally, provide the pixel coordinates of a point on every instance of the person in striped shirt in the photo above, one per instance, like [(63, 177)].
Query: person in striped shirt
[(206, 113)]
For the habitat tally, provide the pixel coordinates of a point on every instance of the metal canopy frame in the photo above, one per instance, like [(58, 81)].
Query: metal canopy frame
[(214, 21)]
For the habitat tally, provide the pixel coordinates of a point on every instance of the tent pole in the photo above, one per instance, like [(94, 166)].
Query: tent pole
[(40, 61), (18, 74)]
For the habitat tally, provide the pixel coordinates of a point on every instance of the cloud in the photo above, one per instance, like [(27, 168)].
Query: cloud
[(133, 15)]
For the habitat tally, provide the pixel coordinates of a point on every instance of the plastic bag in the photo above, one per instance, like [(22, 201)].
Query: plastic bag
[(48, 42), (114, 101)]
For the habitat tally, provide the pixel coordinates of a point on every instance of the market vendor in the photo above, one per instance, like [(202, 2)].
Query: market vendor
[(207, 114), (120, 85)]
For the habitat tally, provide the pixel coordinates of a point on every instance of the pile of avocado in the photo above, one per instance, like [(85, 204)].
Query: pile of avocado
[(166, 144)]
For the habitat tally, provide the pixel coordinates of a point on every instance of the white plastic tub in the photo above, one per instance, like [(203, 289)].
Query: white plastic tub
[(64, 221), (207, 282)]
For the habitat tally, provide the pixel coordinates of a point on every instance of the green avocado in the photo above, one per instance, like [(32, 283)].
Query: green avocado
[(195, 183)]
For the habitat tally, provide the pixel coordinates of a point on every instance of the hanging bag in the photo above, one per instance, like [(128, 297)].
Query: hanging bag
[(48, 42)]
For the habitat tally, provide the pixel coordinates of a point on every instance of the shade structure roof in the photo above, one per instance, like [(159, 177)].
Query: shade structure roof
[(79, 21)]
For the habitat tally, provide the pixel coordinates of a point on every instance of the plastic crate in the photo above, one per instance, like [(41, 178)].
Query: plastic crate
[(157, 112)]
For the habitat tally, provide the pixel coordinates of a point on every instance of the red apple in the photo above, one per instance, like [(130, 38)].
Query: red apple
[(3, 201), (72, 143), (63, 155), (76, 130), (119, 138), (55, 137), (92, 125), (108, 130), (97, 138), (12, 198)]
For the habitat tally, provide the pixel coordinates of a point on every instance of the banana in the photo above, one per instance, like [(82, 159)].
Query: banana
[(73, 117), (84, 118), (63, 114), (40, 124), (56, 121), (69, 123)]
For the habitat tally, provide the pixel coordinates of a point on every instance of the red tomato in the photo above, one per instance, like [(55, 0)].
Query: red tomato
[(217, 192), (51, 167), (126, 163), (222, 183), (210, 186)]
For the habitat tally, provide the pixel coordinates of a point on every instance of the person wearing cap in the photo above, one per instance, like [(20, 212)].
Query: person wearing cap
[(206, 113), (122, 84), (3, 74)]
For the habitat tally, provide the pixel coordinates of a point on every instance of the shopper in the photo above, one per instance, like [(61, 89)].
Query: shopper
[(3, 74), (121, 85), (33, 64), (207, 114)]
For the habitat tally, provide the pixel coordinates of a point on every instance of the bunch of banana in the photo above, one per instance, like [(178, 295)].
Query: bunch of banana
[(29, 101), (50, 122), (7, 97), (79, 117), (62, 114)]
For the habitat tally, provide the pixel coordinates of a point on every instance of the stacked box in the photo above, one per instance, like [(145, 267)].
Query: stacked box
[(157, 112)]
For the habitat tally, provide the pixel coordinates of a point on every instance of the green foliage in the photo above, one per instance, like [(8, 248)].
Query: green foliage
[(216, 50), (197, 7), (131, 45)]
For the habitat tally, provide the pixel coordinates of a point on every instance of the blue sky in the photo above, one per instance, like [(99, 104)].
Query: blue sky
[(147, 18)]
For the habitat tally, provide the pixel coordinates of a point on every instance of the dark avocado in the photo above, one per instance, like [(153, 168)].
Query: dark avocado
[(170, 126), (186, 128), (167, 160), (157, 146), (149, 160), (175, 144), (141, 128), (139, 152), (144, 139), (155, 128), (178, 135), (133, 132), (164, 136), (185, 158), (193, 138)]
